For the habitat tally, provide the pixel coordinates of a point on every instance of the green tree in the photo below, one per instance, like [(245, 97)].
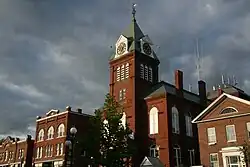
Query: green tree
[(246, 152), (109, 143)]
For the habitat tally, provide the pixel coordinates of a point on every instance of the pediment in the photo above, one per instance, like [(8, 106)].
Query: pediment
[(8, 140), (52, 112), (121, 39), (225, 106), (151, 162)]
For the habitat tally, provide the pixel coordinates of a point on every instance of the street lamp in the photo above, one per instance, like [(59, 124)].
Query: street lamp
[(70, 142)]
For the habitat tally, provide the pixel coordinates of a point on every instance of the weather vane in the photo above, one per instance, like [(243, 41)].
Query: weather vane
[(133, 10)]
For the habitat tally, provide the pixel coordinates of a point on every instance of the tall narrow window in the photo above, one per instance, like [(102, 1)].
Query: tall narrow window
[(122, 73), (175, 120), (122, 94), (127, 71), (177, 156), (231, 134), (51, 133), (118, 74), (142, 71), (150, 74), (153, 121), (146, 72), (123, 120), (41, 135), (248, 130), (191, 157), (61, 130), (211, 135), (188, 120), (213, 158)]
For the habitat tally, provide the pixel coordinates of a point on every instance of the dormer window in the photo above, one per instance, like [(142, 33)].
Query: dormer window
[(228, 110), (41, 135), (61, 130), (118, 75), (51, 133)]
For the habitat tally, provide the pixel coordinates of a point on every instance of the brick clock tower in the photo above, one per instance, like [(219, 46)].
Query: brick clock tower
[(133, 71)]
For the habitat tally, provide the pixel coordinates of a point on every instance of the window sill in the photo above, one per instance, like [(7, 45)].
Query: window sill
[(210, 144), (231, 141)]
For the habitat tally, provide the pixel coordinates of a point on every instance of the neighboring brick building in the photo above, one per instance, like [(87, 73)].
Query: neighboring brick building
[(154, 110), (16, 153), (224, 126), (52, 131)]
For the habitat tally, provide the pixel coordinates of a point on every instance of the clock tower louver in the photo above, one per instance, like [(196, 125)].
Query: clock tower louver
[(133, 71)]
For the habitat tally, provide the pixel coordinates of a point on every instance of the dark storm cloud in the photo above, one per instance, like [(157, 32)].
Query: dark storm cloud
[(55, 53)]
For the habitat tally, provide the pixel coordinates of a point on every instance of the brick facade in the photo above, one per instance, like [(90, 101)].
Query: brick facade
[(16, 153), (213, 118)]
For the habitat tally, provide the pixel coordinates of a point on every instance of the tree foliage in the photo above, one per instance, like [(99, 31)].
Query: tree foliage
[(246, 152), (109, 143)]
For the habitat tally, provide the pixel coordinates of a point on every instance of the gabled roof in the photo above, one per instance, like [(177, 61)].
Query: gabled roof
[(221, 98), (151, 162), (162, 88)]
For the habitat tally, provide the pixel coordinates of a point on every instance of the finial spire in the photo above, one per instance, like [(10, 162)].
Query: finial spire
[(133, 11)]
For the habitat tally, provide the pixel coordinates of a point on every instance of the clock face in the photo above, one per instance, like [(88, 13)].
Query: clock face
[(121, 48), (146, 48)]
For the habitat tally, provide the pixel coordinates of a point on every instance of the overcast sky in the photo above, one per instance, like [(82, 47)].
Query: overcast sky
[(54, 53)]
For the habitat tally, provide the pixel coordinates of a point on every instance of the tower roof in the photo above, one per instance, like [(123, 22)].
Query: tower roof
[(134, 34)]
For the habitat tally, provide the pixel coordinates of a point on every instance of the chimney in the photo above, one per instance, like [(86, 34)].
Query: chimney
[(178, 79), (79, 110), (220, 91), (68, 108), (202, 91), (29, 137)]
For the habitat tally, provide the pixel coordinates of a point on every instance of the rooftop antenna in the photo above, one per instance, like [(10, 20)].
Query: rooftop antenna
[(235, 82), (198, 60), (190, 87), (222, 79), (228, 80)]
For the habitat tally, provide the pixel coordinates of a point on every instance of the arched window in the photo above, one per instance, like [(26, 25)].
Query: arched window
[(146, 72), (154, 151), (150, 75), (122, 73), (177, 156), (41, 135), (188, 120), (123, 120), (118, 75), (51, 133), (175, 120), (60, 130), (127, 71), (153, 120), (228, 110), (142, 71)]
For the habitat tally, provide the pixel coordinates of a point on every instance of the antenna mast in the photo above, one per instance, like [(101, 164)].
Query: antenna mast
[(198, 60)]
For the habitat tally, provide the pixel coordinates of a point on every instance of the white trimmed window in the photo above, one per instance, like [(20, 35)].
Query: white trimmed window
[(41, 135), (123, 120), (49, 151), (153, 121), (175, 120), (150, 74), (61, 130), (189, 129), (231, 134), (248, 130), (122, 94), (214, 161), (122, 72), (177, 156), (127, 71), (51, 132), (154, 151), (146, 73), (211, 135), (59, 149), (118, 74), (142, 71), (191, 157), (39, 151)]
